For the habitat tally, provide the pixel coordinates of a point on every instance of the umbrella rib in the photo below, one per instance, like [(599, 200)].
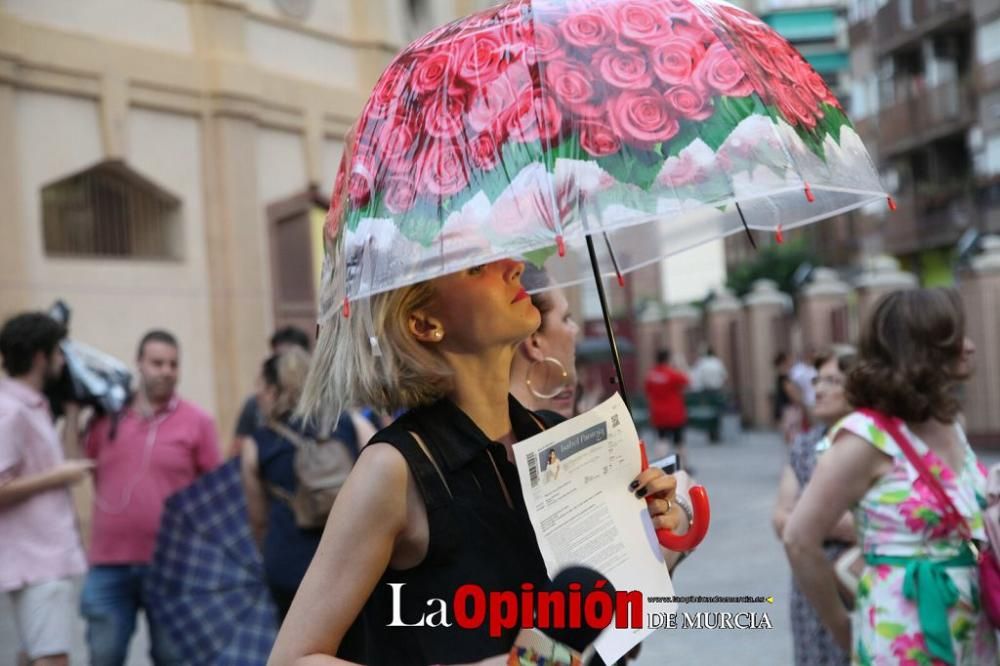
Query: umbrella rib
[(746, 228), (614, 260)]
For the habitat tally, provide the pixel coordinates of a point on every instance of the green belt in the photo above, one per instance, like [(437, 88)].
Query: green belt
[(928, 584)]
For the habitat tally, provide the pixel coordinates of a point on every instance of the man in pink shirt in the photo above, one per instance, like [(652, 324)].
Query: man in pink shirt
[(159, 444), (40, 551)]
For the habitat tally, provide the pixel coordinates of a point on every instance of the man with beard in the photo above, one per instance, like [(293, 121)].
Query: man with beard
[(160, 444), (40, 548)]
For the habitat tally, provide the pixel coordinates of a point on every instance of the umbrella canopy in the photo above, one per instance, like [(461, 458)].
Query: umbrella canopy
[(206, 582), (522, 129)]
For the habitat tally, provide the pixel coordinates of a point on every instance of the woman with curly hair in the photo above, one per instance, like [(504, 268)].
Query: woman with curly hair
[(918, 599)]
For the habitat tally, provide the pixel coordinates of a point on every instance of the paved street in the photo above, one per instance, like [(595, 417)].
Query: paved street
[(739, 557)]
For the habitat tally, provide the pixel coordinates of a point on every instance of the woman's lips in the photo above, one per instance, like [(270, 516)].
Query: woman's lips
[(521, 295)]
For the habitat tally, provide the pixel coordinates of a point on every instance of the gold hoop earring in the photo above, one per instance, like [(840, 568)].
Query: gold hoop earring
[(560, 371)]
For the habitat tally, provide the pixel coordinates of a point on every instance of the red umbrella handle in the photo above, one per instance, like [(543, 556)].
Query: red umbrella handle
[(701, 516)]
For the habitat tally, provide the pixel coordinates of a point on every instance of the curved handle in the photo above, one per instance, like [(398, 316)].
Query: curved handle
[(702, 515)]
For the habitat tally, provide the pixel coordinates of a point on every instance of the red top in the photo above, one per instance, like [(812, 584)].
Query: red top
[(665, 393), (150, 458)]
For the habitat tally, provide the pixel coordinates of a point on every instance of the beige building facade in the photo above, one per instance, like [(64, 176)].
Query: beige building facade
[(165, 163)]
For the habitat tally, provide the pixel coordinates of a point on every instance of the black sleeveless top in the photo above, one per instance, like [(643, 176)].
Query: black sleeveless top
[(479, 533)]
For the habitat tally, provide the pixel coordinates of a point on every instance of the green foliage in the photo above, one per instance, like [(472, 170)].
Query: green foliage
[(774, 262)]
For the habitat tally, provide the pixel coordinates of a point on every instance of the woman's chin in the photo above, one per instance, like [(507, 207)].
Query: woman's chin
[(563, 403)]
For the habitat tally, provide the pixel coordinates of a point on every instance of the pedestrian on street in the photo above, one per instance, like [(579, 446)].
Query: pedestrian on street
[(814, 644), (160, 444), (665, 387), (40, 552), (433, 501), (709, 373), (902, 463), (251, 416)]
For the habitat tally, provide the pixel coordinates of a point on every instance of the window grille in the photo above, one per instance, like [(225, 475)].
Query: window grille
[(110, 211)]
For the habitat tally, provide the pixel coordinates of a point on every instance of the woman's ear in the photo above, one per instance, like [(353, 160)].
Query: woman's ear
[(424, 327), (533, 348)]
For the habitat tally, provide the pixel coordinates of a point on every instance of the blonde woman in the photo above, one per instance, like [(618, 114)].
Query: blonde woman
[(267, 461), (433, 502)]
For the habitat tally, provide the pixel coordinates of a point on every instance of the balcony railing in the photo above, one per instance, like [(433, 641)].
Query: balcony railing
[(989, 76), (928, 218), (926, 115), (902, 21), (859, 32)]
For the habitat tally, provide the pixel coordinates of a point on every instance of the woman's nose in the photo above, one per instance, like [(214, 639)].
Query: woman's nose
[(512, 269)]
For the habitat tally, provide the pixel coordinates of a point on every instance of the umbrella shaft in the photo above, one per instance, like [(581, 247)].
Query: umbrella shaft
[(615, 355)]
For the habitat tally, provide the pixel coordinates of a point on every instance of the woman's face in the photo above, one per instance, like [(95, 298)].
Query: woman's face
[(483, 307), (557, 339), (831, 400), (552, 456), (267, 395), (964, 368)]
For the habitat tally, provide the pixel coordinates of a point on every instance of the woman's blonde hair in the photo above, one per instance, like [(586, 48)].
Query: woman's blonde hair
[(346, 372), (286, 372)]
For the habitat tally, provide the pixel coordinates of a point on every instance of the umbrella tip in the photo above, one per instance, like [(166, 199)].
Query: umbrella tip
[(892, 204), (347, 307), (561, 245), (779, 236), (810, 197)]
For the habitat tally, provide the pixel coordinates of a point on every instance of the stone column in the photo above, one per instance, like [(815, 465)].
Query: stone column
[(15, 268), (766, 312), (725, 332), (823, 311), (650, 335), (882, 277), (680, 320), (981, 295)]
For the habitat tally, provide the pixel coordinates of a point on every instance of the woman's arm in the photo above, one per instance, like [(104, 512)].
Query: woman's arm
[(842, 477), (253, 488), (788, 492), (843, 531), (368, 517)]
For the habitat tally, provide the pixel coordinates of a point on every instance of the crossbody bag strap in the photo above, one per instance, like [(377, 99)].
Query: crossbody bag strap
[(892, 426), (294, 438)]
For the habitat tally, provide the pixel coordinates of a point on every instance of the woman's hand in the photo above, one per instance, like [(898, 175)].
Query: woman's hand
[(659, 489)]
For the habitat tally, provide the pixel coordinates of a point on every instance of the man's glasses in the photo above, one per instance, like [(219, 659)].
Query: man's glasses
[(833, 382)]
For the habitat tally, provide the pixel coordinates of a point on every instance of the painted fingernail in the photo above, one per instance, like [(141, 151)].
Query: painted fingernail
[(632, 486), (641, 492)]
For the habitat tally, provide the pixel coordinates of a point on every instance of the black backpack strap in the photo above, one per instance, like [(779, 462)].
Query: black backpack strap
[(430, 480)]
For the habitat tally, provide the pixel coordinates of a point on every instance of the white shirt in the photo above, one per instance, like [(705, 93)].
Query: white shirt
[(708, 373), (803, 374)]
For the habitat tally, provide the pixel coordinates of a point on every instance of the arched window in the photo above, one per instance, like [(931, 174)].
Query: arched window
[(110, 210)]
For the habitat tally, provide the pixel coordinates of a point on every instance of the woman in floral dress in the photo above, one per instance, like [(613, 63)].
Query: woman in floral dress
[(918, 600)]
